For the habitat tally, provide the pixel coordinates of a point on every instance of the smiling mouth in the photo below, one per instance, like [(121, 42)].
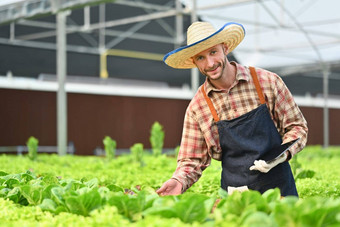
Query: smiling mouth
[(213, 70)]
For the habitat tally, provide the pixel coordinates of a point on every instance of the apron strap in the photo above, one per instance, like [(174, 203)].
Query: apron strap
[(210, 104), (258, 90), (257, 85)]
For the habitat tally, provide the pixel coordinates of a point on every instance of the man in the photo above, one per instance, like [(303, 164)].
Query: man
[(240, 116)]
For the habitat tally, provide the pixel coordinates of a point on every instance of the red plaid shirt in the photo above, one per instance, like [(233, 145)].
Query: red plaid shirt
[(200, 139)]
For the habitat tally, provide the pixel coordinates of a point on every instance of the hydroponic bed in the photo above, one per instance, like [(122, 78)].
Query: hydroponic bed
[(97, 191)]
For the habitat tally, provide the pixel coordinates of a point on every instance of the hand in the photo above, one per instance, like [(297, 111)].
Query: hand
[(264, 166), (170, 187)]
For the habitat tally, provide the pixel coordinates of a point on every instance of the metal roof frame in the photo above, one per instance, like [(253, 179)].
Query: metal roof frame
[(9, 14)]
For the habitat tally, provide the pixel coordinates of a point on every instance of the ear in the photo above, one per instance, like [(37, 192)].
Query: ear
[(225, 48), (192, 60)]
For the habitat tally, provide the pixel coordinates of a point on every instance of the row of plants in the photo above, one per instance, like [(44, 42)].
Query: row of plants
[(156, 139), (77, 191), (316, 170), (142, 205)]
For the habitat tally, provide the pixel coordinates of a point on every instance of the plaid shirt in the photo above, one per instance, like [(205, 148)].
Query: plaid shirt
[(200, 139)]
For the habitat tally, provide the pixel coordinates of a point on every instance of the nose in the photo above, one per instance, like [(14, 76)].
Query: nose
[(209, 62)]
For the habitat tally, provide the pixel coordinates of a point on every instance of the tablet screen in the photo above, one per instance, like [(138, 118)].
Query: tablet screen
[(277, 151)]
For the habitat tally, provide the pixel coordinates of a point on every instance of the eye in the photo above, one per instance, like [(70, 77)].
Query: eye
[(213, 52), (199, 58)]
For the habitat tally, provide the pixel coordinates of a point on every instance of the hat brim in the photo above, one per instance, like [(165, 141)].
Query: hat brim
[(231, 34)]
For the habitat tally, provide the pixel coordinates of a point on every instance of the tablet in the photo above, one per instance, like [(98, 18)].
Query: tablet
[(277, 151)]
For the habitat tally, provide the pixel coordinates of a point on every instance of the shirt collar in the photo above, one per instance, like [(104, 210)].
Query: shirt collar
[(242, 73)]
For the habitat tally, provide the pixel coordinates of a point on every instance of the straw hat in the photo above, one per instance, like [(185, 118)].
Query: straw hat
[(201, 36)]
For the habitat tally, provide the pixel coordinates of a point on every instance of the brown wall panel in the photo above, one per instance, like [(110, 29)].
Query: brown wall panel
[(27, 113), (126, 119), (334, 126), (90, 117), (314, 118)]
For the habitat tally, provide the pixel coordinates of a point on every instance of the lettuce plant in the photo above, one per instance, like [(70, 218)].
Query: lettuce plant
[(110, 147), (157, 138), (298, 171), (32, 145), (137, 153)]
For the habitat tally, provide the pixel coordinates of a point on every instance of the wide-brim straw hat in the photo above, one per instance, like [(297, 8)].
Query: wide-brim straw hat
[(201, 36)]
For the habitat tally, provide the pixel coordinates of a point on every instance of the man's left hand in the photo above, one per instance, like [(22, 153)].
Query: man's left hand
[(264, 166)]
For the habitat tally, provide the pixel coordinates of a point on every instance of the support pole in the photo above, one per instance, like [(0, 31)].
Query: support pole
[(179, 24), (102, 12), (12, 32), (194, 71), (61, 74), (325, 71), (102, 46), (103, 65), (87, 16)]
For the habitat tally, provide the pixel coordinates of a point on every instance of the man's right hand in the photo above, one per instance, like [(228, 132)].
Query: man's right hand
[(170, 187)]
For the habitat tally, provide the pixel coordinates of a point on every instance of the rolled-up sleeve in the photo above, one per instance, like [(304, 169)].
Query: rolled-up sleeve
[(289, 117), (193, 155)]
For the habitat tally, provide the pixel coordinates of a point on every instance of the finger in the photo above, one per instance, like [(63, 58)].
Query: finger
[(263, 168), (261, 164), (257, 162), (265, 165), (162, 193), (252, 167), (161, 190)]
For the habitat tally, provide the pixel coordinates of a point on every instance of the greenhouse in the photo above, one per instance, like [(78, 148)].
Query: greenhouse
[(93, 117)]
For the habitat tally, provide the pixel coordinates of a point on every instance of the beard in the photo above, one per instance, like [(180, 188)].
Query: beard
[(221, 64)]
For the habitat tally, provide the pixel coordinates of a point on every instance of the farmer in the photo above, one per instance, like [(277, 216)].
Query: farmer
[(237, 116)]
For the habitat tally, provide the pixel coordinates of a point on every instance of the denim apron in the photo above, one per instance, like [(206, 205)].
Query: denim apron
[(245, 139)]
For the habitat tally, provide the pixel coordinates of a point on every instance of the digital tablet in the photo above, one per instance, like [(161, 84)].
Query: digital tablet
[(277, 151)]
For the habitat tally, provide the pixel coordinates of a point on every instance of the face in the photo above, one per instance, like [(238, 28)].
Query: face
[(212, 62)]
